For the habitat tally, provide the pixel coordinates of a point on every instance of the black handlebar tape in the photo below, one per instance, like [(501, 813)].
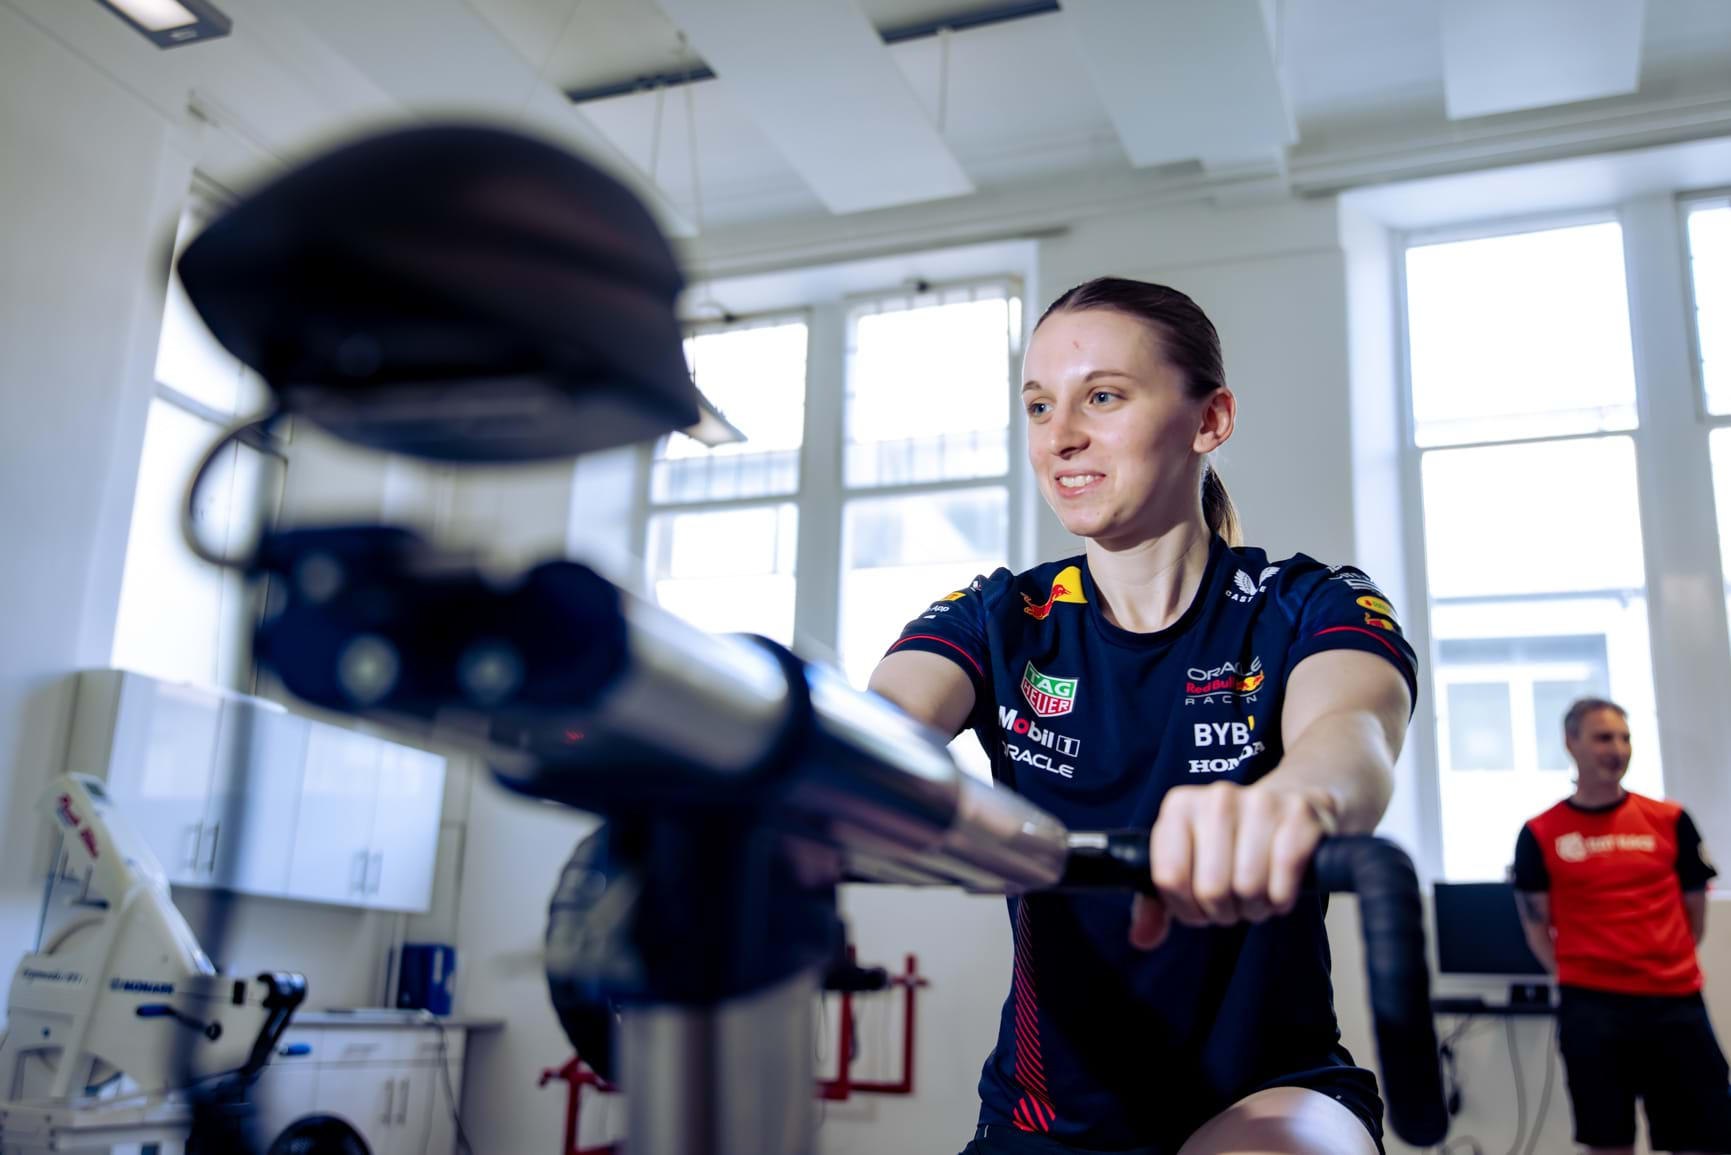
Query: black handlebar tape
[(1398, 975), (1382, 876)]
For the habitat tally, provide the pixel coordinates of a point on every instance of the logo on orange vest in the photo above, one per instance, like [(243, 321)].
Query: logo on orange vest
[(1576, 847), (1066, 587)]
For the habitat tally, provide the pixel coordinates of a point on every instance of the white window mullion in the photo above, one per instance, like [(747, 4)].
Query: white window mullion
[(1687, 614), (816, 622)]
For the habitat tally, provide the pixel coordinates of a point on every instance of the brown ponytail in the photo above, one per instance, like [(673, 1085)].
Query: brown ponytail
[(1217, 508)]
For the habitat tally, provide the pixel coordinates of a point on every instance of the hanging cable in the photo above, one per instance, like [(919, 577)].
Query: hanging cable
[(546, 59), (943, 79), (245, 430), (655, 133), (691, 140)]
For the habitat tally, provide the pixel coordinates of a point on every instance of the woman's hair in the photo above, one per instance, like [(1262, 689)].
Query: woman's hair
[(1190, 345)]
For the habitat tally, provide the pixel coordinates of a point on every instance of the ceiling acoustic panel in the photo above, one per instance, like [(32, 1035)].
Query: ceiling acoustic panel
[(1509, 55), (1182, 79), (824, 89)]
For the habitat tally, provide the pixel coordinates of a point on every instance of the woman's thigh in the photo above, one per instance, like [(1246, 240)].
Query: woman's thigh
[(1283, 1121)]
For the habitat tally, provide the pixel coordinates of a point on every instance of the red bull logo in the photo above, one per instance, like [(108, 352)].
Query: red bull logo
[(1066, 587), (1224, 680)]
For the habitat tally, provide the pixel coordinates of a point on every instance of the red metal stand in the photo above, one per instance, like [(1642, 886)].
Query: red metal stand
[(577, 1076), (843, 1085)]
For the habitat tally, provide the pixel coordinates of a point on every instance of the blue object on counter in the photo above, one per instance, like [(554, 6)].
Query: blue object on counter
[(429, 977)]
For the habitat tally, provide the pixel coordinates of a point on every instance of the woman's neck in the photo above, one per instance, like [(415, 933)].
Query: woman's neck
[(1147, 586)]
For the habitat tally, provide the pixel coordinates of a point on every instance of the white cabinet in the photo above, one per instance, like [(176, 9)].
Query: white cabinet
[(406, 828), (333, 834), (369, 822), (386, 1083), (260, 751), (156, 744), (239, 793)]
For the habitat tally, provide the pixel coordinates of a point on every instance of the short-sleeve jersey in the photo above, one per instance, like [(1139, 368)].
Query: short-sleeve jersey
[(1616, 878), (1100, 1044)]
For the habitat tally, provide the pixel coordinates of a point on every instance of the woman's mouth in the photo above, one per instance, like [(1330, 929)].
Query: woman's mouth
[(1075, 484)]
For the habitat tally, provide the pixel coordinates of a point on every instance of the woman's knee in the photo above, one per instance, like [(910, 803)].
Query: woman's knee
[(1283, 1121)]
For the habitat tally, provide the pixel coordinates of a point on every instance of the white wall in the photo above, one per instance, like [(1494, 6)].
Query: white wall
[(85, 197)]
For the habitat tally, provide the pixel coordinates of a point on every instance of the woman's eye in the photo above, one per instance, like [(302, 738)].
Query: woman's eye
[(1101, 396), (1037, 408)]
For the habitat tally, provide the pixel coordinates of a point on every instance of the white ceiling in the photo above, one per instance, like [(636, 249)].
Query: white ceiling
[(1019, 107), (1021, 103)]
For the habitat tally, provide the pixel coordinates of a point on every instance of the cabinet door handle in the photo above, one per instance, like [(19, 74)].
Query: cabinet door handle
[(195, 840), (358, 872), (403, 1103), (210, 863), (375, 871), (390, 1099)]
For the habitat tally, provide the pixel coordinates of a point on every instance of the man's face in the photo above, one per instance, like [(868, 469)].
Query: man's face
[(1601, 749)]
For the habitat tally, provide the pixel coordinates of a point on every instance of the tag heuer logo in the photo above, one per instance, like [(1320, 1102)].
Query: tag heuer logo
[(1048, 697)]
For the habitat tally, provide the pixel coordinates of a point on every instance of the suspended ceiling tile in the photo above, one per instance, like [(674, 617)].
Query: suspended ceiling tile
[(821, 85), (1183, 79), (1503, 56)]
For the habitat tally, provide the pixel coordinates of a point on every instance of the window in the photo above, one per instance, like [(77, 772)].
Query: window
[(723, 540), (1523, 382), (181, 618), (901, 483), (1709, 231), (927, 417)]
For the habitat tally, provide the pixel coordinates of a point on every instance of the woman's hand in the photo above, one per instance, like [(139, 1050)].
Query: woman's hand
[(1225, 853)]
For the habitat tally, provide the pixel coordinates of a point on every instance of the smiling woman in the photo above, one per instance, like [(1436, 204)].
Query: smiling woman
[(1243, 707)]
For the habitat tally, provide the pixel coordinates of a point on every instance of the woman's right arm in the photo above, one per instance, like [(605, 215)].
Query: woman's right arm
[(929, 688)]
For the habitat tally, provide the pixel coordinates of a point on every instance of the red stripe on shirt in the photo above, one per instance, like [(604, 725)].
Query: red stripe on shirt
[(944, 641), (1366, 633)]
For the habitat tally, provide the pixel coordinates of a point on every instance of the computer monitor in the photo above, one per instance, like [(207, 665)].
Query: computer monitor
[(1478, 931)]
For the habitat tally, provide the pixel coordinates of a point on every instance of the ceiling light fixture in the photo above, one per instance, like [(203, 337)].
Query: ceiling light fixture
[(171, 23)]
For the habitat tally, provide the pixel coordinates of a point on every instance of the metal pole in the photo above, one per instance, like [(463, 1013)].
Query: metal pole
[(731, 1080)]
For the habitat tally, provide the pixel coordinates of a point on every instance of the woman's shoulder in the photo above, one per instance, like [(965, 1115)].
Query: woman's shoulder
[(1295, 582), (1299, 568)]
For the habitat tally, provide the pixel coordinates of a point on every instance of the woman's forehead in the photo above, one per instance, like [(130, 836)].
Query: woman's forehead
[(1074, 344)]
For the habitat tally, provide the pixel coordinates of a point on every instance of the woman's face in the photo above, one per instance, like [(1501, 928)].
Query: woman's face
[(1112, 437)]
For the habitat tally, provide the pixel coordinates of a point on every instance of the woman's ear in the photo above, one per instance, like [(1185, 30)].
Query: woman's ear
[(1219, 417)]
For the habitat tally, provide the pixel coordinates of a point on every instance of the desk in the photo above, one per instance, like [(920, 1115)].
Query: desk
[(1476, 1006)]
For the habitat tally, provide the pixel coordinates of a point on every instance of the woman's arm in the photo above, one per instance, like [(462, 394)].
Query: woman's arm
[(931, 689), (1224, 853)]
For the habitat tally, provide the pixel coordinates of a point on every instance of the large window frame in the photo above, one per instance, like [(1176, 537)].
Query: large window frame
[(1670, 440), (822, 494), (238, 603)]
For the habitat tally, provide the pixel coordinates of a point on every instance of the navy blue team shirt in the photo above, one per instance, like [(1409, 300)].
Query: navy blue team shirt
[(1099, 1044)]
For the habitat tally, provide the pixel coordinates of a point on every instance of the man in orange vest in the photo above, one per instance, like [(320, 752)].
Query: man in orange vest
[(1612, 890)]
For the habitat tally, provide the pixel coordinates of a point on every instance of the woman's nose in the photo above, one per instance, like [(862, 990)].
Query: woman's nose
[(1064, 434)]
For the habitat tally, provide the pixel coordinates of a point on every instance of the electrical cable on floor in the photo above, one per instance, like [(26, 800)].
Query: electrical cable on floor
[(1520, 1088), (1545, 1095), (445, 1078)]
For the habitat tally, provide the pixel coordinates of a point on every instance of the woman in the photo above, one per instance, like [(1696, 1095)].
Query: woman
[(1168, 677)]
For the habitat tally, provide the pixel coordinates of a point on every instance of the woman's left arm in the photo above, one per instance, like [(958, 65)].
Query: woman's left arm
[(1224, 853)]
